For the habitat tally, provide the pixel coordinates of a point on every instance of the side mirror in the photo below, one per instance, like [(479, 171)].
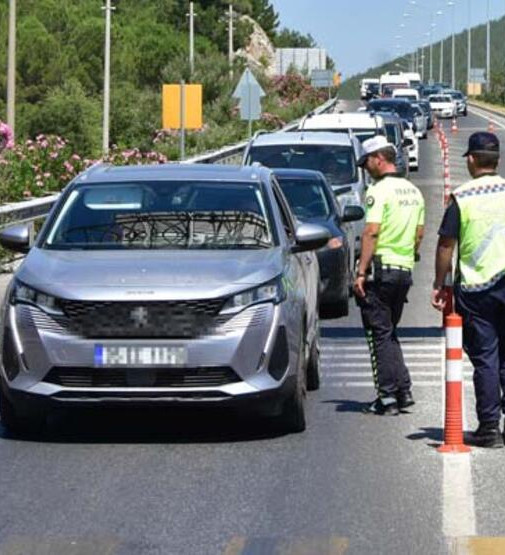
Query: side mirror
[(408, 142), (310, 237), (341, 190), (16, 238), (353, 213)]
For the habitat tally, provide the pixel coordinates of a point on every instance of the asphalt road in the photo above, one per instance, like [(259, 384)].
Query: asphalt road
[(215, 483)]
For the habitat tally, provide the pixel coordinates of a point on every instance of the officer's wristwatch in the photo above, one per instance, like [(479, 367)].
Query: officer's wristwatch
[(360, 274)]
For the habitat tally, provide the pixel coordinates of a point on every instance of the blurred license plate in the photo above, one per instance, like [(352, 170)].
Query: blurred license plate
[(118, 355)]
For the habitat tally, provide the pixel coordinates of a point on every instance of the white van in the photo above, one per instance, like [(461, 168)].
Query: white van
[(409, 94), (363, 125), (364, 85)]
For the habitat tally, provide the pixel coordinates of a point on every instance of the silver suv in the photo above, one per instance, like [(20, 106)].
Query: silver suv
[(167, 284)]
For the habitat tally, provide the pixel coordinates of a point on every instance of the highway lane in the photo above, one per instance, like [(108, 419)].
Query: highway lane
[(185, 482)]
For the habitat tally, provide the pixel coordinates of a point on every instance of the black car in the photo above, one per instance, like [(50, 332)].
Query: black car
[(312, 200), (399, 105)]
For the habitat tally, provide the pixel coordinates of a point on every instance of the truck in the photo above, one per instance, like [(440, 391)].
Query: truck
[(392, 80)]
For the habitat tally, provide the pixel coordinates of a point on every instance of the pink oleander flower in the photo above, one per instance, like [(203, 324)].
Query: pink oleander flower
[(54, 155), (75, 157), (68, 166)]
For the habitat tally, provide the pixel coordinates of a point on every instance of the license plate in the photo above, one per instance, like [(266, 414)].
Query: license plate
[(135, 355)]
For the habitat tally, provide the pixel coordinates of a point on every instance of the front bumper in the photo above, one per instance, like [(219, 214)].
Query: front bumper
[(445, 113), (249, 357)]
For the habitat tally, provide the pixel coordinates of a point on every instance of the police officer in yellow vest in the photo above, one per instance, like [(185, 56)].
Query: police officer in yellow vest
[(475, 221), (391, 240)]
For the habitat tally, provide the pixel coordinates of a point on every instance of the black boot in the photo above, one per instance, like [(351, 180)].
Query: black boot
[(380, 409), (405, 400), (487, 435)]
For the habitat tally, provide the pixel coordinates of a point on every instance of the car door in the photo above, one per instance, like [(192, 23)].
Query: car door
[(303, 270)]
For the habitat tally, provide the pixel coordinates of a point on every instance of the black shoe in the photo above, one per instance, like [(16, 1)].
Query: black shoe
[(487, 435), (405, 400), (378, 408)]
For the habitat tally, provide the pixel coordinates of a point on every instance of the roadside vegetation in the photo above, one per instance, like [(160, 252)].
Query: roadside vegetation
[(60, 81)]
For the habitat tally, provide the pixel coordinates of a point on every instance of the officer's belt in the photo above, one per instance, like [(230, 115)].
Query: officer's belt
[(394, 267)]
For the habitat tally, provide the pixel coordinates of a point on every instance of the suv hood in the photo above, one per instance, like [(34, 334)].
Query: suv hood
[(149, 274)]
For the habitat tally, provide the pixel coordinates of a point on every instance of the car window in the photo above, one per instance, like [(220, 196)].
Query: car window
[(306, 197), (287, 221), (162, 215), (336, 162), (392, 133)]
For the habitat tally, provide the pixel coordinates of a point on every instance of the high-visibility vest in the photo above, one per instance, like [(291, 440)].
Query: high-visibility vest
[(481, 203)]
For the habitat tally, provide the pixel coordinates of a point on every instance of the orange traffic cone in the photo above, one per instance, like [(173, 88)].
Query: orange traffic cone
[(490, 127), (454, 126), (453, 431)]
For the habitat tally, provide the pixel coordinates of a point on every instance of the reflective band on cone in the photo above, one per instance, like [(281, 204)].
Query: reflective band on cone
[(454, 126), (453, 429)]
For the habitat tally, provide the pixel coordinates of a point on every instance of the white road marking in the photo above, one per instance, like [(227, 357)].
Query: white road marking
[(487, 116), (458, 500)]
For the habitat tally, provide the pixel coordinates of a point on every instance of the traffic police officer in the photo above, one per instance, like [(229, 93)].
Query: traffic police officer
[(475, 220), (391, 240)]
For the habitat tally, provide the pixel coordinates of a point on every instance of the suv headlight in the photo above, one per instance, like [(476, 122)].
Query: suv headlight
[(22, 293), (274, 291)]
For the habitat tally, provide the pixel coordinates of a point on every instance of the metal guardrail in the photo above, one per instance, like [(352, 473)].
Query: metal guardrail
[(32, 210)]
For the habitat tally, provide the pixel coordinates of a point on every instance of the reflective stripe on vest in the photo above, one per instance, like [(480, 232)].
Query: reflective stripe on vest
[(482, 232)]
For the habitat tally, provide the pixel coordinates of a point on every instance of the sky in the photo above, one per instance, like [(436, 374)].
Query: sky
[(359, 34)]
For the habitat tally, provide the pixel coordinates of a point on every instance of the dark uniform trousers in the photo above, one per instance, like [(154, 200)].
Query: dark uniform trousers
[(483, 314), (381, 310)]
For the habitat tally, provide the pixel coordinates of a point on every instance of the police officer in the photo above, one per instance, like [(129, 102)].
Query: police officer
[(475, 221), (389, 246)]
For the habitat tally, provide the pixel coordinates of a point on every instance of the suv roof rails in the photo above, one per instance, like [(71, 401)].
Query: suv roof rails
[(260, 132)]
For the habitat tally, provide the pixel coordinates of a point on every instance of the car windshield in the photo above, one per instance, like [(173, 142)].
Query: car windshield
[(403, 109), (457, 95), (364, 134), (306, 196), (440, 99), (162, 215), (407, 96), (392, 133), (336, 162)]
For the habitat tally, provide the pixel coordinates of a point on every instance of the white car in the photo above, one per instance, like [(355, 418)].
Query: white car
[(442, 105), (413, 148)]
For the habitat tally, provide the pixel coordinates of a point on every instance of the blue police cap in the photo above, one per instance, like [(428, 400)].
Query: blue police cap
[(483, 143)]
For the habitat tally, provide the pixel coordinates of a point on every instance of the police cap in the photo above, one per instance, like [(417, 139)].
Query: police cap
[(483, 143)]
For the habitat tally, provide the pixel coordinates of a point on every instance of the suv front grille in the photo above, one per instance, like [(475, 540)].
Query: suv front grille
[(173, 319), (85, 377)]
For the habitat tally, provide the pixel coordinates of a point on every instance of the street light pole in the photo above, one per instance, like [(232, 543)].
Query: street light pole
[(488, 51), (469, 48), (230, 41), (453, 71), (11, 68), (106, 80), (191, 38), (441, 60)]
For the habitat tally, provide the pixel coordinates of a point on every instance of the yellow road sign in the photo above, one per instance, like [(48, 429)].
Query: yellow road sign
[(172, 106)]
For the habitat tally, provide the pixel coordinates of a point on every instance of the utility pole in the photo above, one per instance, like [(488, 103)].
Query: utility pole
[(191, 38), (469, 48), (488, 51), (453, 72), (441, 80), (230, 40), (11, 68), (106, 80)]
